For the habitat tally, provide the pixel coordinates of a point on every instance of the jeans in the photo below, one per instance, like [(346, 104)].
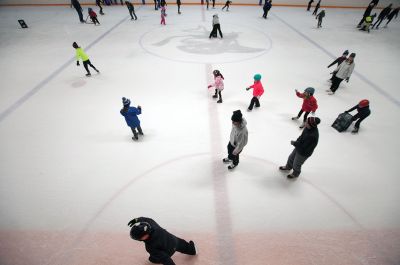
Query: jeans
[(295, 161)]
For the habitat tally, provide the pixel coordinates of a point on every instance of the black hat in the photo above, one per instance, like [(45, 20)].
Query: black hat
[(313, 121), (237, 116), (140, 229)]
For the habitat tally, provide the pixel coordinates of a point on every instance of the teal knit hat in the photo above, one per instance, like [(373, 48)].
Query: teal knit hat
[(257, 77)]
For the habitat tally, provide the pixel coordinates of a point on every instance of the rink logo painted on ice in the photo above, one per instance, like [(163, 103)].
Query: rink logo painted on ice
[(192, 43)]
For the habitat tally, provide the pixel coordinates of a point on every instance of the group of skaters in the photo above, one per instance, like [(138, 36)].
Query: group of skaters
[(319, 16), (367, 20)]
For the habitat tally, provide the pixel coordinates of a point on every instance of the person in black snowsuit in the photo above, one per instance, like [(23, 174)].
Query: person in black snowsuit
[(338, 61), (316, 8), (159, 243), (384, 13), (309, 5), (303, 147), (267, 6), (78, 9), (131, 9), (98, 3), (392, 14), (366, 13), (363, 112)]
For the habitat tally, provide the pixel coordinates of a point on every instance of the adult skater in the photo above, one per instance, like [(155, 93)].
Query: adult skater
[(218, 84), (131, 117), (131, 10), (78, 9), (227, 4), (93, 16), (309, 104), (382, 15), (98, 3), (363, 112), (316, 8), (208, 3), (366, 13), (267, 6), (320, 16), (213, 1), (343, 71), (303, 148), (309, 5), (216, 26), (392, 14), (80, 53), (178, 3), (238, 139), (258, 91), (338, 61)]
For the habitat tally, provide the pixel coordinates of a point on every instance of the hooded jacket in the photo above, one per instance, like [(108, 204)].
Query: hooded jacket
[(130, 115), (344, 70), (258, 89), (239, 136)]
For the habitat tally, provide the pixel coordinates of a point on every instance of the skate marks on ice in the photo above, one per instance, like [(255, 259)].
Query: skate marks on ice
[(191, 43)]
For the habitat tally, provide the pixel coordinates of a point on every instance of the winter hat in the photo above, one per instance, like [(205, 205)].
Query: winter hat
[(310, 90), (363, 103), (257, 77), (126, 101), (89, 9), (216, 72), (346, 52), (353, 55), (313, 121), (75, 45), (237, 116), (140, 229)]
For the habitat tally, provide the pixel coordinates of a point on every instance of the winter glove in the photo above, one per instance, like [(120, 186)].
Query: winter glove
[(139, 107), (247, 88), (132, 222), (209, 86), (77, 63)]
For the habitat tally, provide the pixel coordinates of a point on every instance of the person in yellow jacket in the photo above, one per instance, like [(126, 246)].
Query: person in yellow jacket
[(85, 59)]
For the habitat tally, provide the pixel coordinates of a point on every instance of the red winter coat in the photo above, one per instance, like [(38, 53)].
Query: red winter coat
[(309, 104), (258, 89), (92, 14)]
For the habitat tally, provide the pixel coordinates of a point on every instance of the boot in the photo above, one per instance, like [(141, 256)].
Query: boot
[(192, 248), (215, 96), (292, 176), (355, 130), (88, 74), (219, 101), (226, 160), (302, 125), (295, 118), (231, 166), (284, 168)]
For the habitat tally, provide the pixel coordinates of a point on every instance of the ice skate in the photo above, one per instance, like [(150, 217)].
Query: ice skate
[(302, 125), (231, 166), (249, 110), (215, 96), (88, 74), (135, 138), (295, 118), (291, 176), (354, 131), (284, 168), (226, 160), (219, 101), (193, 248), (331, 93)]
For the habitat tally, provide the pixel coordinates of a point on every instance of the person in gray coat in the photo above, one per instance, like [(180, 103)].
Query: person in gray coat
[(238, 139), (216, 27), (343, 71)]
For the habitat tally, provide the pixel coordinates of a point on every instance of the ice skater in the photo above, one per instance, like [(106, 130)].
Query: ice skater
[(93, 16), (218, 84), (382, 15), (309, 5), (98, 3), (163, 14), (303, 148), (207, 3), (309, 104), (267, 6), (178, 3), (365, 26), (392, 14), (131, 117), (78, 9), (131, 10), (367, 13), (316, 8), (338, 61), (216, 27), (80, 53), (213, 1), (320, 16), (238, 139), (227, 4), (363, 112), (342, 72), (258, 90), (159, 243)]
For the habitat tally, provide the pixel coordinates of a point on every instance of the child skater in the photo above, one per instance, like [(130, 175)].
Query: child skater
[(258, 90), (130, 114), (163, 14), (93, 16), (227, 4), (85, 59), (320, 16), (218, 84), (309, 104)]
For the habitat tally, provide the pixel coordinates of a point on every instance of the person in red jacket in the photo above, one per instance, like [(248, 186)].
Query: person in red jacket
[(93, 16), (309, 104), (258, 90)]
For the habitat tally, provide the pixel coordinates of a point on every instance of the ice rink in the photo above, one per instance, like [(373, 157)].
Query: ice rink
[(71, 177)]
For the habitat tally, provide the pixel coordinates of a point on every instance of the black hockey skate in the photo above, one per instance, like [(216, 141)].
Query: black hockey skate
[(231, 166), (284, 168), (226, 160)]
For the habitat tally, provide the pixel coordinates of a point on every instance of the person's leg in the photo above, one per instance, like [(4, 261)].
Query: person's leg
[(219, 30), (185, 247), (130, 13), (80, 14), (134, 14), (213, 3), (139, 130), (289, 163), (213, 31), (220, 97), (389, 19), (101, 9), (335, 84), (135, 134), (252, 102), (91, 65), (357, 124), (373, 26), (85, 64), (380, 21), (297, 163), (305, 116), (179, 9), (257, 101), (97, 21), (223, 7), (230, 150), (300, 113), (361, 21), (216, 93)]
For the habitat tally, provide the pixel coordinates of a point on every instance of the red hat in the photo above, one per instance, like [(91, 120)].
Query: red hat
[(363, 103)]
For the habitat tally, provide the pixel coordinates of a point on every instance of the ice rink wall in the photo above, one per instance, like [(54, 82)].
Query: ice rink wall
[(300, 3)]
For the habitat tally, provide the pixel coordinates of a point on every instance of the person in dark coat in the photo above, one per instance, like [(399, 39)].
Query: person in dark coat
[(363, 112), (384, 13), (366, 13), (267, 6), (338, 61), (98, 3), (131, 9), (78, 9), (178, 3), (130, 114), (320, 16), (303, 148), (316, 8), (309, 5), (392, 14), (159, 243), (227, 4)]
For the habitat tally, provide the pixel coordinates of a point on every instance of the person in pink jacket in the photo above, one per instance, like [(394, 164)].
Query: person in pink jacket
[(258, 90), (309, 104), (218, 84), (163, 15)]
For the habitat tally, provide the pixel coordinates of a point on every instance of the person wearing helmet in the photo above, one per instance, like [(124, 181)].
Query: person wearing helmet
[(363, 112), (309, 104), (80, 53), (159, 243), (258, 90), (342, 72), (218, 84), (130, 114), (93, 16)]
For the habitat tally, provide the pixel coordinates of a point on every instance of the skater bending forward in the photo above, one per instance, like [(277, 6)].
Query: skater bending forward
[(159, 243), (363, 112), (80, 53)]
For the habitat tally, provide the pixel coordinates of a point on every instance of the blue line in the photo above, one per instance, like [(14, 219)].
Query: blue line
[(44, 82), (361, 76)]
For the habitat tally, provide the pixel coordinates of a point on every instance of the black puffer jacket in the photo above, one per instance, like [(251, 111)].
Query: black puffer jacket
[(307, 141), (362, 112)]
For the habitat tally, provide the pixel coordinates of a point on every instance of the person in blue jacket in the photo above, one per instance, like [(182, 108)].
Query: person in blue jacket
[(130, 114)]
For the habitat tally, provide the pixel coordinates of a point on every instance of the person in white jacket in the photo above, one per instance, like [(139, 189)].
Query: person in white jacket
[(238, 139), (343, 71), (216, 26)]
